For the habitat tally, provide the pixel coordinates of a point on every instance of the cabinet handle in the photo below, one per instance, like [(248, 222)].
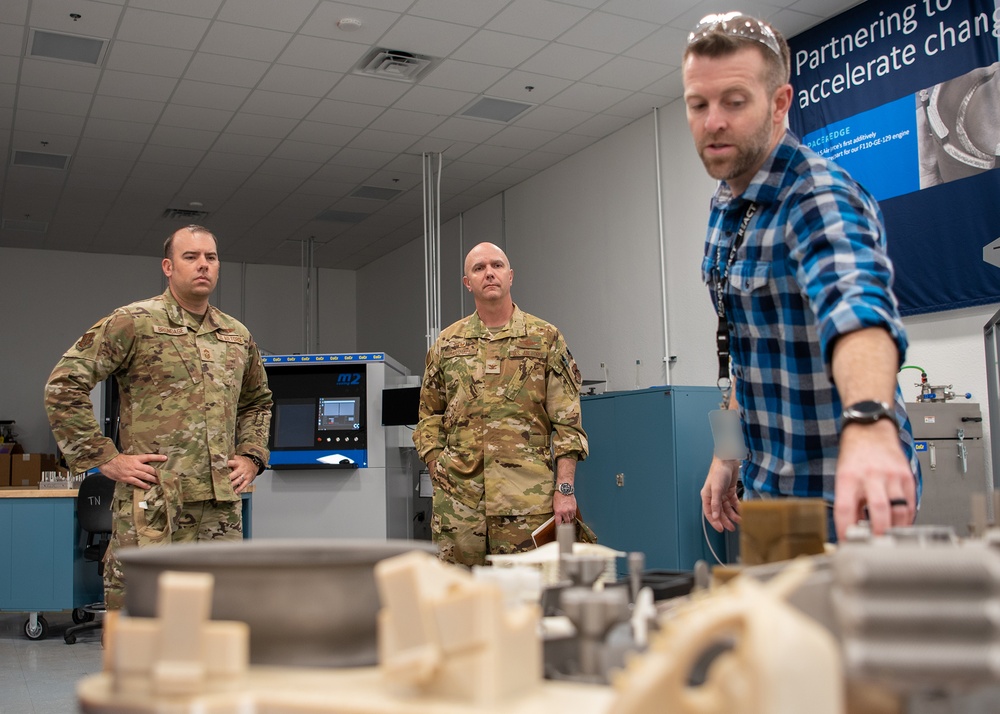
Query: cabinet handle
[(620, 480)]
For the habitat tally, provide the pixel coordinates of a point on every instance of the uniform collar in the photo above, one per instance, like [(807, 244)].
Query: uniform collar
[(475, 329), (179, 316)]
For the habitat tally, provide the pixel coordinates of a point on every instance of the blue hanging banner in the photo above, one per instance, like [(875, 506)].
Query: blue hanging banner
[(906, 97)]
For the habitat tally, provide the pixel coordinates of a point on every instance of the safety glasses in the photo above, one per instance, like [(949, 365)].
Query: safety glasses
[(736, 23)]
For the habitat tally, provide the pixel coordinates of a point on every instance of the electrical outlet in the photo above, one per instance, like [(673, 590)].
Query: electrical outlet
[(602, 365)]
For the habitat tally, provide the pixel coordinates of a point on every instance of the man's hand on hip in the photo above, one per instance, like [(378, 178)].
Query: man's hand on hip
[(134, 469)]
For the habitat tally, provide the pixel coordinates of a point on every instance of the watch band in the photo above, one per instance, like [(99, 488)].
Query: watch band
[(258, 462)]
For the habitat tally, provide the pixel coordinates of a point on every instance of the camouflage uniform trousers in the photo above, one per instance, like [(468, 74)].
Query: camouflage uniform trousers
[(134, 526), (466, 535)]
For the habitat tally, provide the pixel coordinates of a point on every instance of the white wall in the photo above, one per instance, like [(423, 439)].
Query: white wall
[(50, 298)]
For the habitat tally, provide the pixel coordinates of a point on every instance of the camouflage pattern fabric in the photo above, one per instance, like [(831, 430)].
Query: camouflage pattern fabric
[(141, 521), (195, 391), (495, 410), (464, 535)]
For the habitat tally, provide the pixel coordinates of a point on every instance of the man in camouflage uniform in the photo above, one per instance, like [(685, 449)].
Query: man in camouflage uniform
[(194, 416), (500, 399)]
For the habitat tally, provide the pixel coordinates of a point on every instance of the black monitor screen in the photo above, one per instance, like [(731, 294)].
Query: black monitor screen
[(293, 423), (400, 406)]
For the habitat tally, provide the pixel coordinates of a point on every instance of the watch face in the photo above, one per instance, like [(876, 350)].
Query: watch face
[(566, 489), (867, 411)]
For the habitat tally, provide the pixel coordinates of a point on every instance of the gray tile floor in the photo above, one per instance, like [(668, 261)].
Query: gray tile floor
[(40, 676)]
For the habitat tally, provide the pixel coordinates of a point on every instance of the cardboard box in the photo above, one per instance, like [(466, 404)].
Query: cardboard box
[(26, 469), (7, 451)]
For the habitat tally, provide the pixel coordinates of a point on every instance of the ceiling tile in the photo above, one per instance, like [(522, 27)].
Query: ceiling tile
[(655, 11), (434, 100), (666, 45), (319, 133), (635, 106), (589, 97), (305, 151), (289, 168), (136, 86), (494, 155), (364, 158), (458, 129), (212, 96), (601, 125), (147, 59), (116, 129), (160, 28), (382, 141), (109, 148), (195, 117), (225, 38), (194, 8), (629, 73), (465, 13), (56, 101), (515, 86), (138, 110), (322, 53), (299, 80), (232, 143), (9, 69), (58, 75), (95, 19), (323, 23), (611, 33), (538, 160), (519, 137), (567, 62), (11, 39), (426, 37), (406, 122), (183, 137), (552, 118), (47, 122), (368, 90), (230, 161), (287, 15), (537, 18), (15, 11), (498, 48), (347, 113), (171, 155), (229, 71), (277, 104), (44, 142), (463, 76)]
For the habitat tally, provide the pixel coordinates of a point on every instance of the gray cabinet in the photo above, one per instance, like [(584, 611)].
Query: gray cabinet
[(640, 487), (949, 441)]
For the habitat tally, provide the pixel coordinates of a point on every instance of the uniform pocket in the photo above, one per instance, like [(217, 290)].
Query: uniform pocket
[(149, 513)]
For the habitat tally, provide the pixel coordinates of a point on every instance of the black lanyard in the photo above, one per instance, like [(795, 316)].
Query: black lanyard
[(722, 331)]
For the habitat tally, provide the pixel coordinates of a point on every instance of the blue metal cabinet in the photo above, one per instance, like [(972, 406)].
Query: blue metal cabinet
[(41, 560), (640, 487)]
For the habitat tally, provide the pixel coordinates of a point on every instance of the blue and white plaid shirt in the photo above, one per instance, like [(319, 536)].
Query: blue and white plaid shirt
[(812, 267)]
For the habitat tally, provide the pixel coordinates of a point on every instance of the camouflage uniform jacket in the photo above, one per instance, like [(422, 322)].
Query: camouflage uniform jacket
[(195, 392), (494, 411)]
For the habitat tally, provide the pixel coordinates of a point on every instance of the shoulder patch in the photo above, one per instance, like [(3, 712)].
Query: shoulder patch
[(159, 329), (235, 339), (86, 341)]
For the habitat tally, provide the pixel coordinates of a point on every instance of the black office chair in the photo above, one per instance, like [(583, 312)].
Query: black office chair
[(93, 510)]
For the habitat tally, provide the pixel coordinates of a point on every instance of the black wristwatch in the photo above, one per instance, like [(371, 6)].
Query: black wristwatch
[(566, 489), (867, 412), (257, 461)]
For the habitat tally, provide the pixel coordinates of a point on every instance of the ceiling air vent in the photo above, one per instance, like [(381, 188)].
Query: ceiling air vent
[(394, 64), (184, 214), (12, 224), (342, 216), (71, 48), (491, 109), (377, 193), (39, 160)]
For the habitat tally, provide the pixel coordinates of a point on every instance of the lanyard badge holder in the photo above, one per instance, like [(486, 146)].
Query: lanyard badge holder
[(727, 434)]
